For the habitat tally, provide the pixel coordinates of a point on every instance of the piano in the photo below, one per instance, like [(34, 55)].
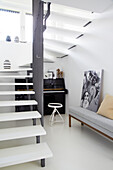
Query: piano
[(54, 92)]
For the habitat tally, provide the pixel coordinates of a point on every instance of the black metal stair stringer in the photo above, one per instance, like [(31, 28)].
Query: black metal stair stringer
[(46, 15)]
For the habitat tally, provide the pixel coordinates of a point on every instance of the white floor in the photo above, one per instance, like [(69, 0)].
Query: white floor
[(75, 148)]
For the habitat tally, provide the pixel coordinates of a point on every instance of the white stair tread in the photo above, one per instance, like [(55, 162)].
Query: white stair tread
[(14, 84), (16, 70), (18, 103), (16, 76), (21, 132), (16, 92), (19, 116), (22, 154)]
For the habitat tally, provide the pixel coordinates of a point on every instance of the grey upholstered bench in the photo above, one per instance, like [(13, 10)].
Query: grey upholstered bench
[(93, 120)]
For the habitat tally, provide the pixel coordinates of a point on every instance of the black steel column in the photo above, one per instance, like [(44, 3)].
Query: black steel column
[(38, 53)]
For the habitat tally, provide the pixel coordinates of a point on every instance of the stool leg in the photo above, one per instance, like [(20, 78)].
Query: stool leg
[(52, 117), (60, 115)]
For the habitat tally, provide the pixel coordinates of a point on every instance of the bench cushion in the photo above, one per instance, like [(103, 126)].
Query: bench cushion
[(106, 107), (92, 117)]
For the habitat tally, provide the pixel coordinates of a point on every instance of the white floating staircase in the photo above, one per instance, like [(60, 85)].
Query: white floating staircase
[(23, 153), (17, 103)]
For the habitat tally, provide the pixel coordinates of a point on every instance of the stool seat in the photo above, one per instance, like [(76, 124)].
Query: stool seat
[(55, 106)]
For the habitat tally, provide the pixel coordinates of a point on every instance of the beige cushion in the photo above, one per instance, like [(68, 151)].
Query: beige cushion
[(106, 107)]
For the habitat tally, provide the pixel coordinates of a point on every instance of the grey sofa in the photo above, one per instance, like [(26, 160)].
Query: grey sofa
[(99, 123)]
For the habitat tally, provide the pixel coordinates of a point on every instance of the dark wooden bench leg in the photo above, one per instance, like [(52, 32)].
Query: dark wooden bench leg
[(69, 120)]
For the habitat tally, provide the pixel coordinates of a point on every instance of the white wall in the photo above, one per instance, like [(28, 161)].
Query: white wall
[(95, 51), (53, 66), (17, 53)]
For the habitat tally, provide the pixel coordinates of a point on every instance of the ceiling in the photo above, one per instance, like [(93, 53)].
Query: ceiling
[(90, 5)]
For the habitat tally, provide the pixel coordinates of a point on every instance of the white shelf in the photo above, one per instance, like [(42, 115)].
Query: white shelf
[(26, 65), (18, 103), (16, 92), (14, 84), (15, 70), (22, 154), (16, 76), (19, 116), (21, 132)]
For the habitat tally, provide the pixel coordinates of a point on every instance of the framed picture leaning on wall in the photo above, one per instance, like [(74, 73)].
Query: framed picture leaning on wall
[(91, 89)]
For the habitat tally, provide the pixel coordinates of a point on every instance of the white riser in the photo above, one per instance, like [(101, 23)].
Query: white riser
[(22, 154), (16, 92), (21, 132), (15, 70), (19, 116), (15, 84), (18, 103), (16, 76)]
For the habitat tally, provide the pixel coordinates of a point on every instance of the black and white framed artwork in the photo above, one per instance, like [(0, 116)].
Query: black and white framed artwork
[(91, 89)]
